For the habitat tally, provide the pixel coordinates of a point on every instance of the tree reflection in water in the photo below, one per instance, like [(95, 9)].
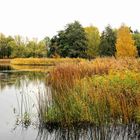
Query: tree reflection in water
[(10, 77)]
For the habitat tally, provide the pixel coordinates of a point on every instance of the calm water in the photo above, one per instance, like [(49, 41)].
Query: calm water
[(18, 93), (16, 86)]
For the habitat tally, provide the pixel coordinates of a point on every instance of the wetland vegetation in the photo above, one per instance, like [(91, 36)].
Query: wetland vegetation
[(76, 85), (96, 99)]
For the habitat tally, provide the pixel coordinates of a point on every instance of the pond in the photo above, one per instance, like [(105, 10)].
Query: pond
[(14, 86), (19, 89)]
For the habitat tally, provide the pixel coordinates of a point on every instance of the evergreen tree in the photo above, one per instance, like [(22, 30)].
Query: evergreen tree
[(108, 40), (70, 42), (136, 37)]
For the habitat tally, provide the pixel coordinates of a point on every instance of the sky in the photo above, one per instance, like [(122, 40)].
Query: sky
[(40, 18)]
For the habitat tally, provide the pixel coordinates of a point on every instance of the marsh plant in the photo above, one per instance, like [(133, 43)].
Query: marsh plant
[(23, 112), (26, 110), (94, 92), (97, 99), (44, 61), (107, 99)]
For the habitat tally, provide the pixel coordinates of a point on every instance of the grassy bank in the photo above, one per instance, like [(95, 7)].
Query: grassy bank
[(44, 61), (103, 91), (33, 68)]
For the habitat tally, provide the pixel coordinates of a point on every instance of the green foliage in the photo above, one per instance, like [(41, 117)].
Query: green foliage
[(53, 47), (136, 37), (36, 49), (19, 47), (108, 40), (5, 48), (70, 42), (93, 41), (74, 41)]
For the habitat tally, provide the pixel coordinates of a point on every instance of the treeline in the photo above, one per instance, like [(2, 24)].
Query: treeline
[(75, 41), (17, 46)]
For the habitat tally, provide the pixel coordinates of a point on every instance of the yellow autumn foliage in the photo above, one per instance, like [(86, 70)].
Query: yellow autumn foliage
[(125, 44)]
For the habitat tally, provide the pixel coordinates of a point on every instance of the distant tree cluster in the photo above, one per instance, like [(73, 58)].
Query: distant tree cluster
[(13, 47), (75, 41)]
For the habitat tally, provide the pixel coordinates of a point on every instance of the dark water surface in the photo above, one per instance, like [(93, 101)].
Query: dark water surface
[(18, 93)]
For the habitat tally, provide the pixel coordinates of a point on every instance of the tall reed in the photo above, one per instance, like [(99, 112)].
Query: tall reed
[(112, 98), (103, 91)]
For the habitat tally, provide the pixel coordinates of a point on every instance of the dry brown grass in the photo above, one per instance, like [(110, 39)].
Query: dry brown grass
[(64, 75), (100, 99), (35, 68), (102, 91), (5, 61), (44, 61), (120, 64)]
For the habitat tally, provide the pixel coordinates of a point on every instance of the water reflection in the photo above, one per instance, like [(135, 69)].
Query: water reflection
[(18, 91), (4, 68), (89, 132), (10, 77)]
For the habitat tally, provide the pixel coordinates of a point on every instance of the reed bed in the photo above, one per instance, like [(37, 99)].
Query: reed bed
[(108, 99), (5, 61), (103, 91), (65, 75), (44, 61), (120, 64), (32, 68)]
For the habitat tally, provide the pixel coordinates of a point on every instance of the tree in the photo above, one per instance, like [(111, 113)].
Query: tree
[(70, 42), (5, 48), (18, 47), (93, 41), (21, 47), (32, 48), (107, 44), (53, 49), (41, 49), (36, 49), (125, 43), (136, 37), (46, 40)]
